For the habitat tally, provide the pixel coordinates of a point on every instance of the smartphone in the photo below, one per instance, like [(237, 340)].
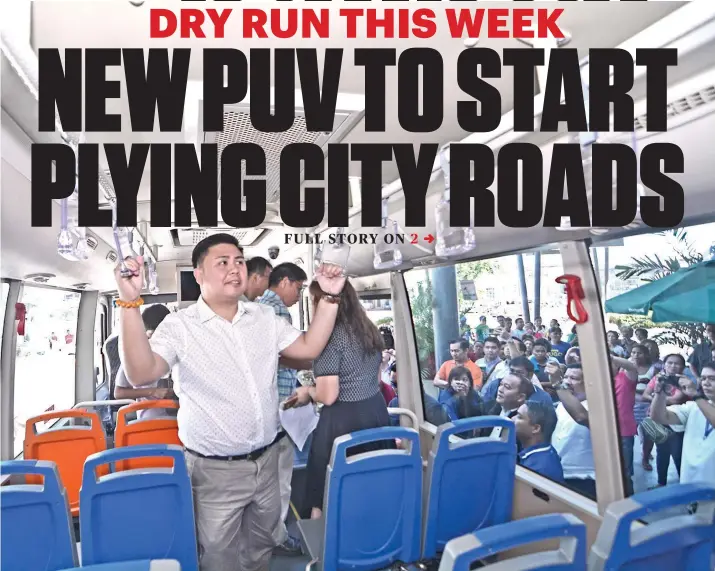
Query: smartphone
[(671, 380)]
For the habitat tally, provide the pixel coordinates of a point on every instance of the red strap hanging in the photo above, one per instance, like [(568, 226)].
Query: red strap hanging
[(574, 292), (20, 313)]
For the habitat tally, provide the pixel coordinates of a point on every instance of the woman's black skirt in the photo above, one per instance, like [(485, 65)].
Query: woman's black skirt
[(336, 420)]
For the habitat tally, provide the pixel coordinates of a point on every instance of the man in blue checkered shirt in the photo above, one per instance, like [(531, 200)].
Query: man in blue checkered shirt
[(285, 286)]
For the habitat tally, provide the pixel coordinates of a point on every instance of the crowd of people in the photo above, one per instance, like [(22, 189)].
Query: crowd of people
[(532, 375), (234, 359)]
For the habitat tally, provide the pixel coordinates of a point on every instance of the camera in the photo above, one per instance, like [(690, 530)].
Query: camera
[(273, 252)]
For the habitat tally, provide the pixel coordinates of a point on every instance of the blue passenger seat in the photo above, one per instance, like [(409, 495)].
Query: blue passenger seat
[(457, 503), (138, 514), (681, 541), (461, 553), (372, 510), (37, 532), (143, 565)]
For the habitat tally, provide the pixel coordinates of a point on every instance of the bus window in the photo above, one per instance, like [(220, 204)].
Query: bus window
[(485, 350), (45, 361), (100, 316), (3, 305), (676, 350)]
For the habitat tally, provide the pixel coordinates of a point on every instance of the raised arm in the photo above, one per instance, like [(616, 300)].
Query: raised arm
[(311, 343), (572, 405), (628, 367), (142, 365)]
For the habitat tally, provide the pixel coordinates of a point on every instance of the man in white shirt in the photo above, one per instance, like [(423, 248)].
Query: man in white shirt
[(698, 417), (572, 437), (224, 356)]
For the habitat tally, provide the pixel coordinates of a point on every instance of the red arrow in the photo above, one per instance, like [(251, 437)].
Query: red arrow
[(429, 238)]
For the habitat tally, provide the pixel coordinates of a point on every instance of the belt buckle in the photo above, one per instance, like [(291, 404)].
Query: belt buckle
[(255, 455)]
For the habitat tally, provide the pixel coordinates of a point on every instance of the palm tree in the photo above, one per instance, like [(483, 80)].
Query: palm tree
[(652, 268)]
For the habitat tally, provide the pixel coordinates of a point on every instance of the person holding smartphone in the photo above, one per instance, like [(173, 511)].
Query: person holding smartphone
[(697, 416), (669, 382)]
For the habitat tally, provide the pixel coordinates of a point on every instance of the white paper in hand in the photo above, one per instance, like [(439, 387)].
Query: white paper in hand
[(299, 423)]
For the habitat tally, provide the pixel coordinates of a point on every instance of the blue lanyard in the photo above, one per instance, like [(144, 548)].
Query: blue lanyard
[(708, 429)]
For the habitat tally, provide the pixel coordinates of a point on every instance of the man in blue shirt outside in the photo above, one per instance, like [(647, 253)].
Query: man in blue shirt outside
[(558, 347), (535, 423), (285, 285)]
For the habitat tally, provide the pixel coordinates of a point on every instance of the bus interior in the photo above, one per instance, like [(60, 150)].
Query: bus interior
[(59, 312)]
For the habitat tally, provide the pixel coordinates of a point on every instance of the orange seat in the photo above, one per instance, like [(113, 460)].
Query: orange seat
[(68, 447), (151, 431)]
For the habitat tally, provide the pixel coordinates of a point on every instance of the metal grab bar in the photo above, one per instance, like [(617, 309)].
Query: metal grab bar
[(98, 403), (406, 412)]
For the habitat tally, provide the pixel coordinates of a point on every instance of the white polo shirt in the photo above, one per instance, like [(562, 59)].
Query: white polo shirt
[(225, 375), (572, 441), (698, 463)]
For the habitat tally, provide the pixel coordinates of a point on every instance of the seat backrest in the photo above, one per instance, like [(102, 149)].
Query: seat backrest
[(462, 552), (68, 447), (142, 432), (143, 565), (373, 501), (138, 514), (37, 532), (456, 504), (684, 540)]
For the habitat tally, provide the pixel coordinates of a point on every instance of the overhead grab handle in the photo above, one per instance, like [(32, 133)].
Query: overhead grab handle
[(574, 296), (451, 241), (387, 253), (123, 243)]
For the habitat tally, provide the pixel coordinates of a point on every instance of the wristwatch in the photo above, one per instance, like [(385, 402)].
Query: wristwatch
[(332, 297)]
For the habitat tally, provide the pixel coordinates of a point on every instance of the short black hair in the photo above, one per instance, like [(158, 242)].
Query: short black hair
[(202, 248), (544, 415), (556, 330), (519, 344), (543, 343), (642, 331), (257, 265), (492, 339), (286, 270), (522, 361), (463, 343), (154, 315), (526, 387)]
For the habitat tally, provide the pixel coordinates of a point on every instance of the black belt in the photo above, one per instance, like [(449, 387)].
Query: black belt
[(253, 456)]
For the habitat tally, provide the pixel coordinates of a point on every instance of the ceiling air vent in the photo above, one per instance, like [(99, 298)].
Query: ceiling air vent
[(112, 257), (189, 237), (680, 109), (92, 242), (237, 128)]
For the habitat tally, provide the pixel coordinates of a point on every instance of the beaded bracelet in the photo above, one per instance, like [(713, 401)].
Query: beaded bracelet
[(129, 304)]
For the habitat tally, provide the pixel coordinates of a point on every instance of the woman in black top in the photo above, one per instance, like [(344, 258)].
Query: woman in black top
[(347, 377)]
